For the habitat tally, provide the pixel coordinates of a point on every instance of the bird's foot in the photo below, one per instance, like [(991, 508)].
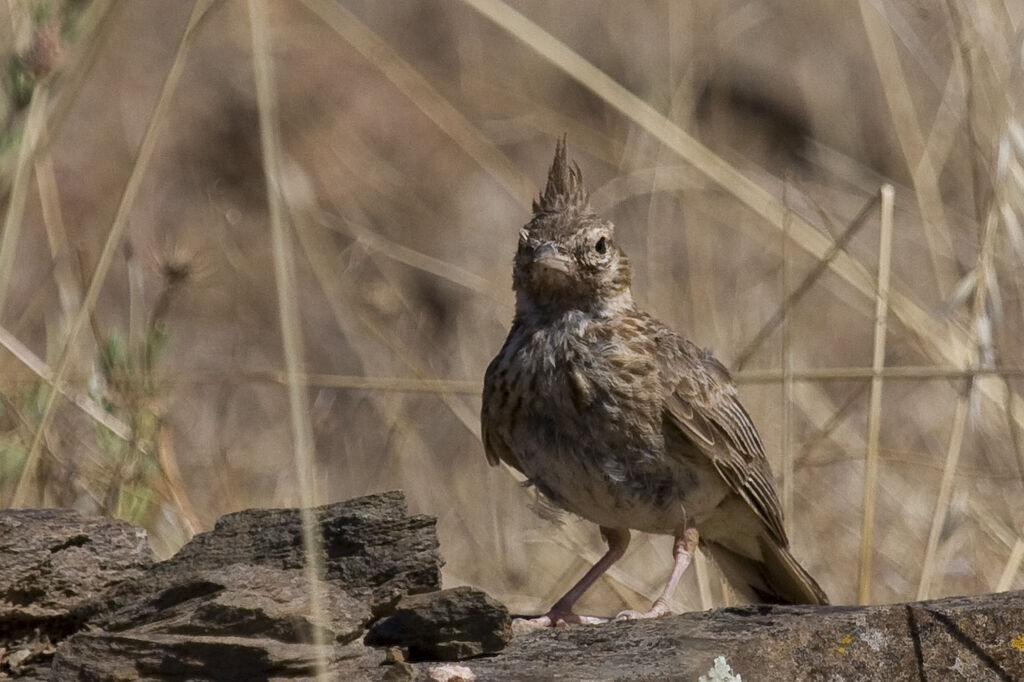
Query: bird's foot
[(553, 619), (657, 610)]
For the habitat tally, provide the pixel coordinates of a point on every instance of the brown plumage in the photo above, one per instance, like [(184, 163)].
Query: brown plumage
[(616, 418)]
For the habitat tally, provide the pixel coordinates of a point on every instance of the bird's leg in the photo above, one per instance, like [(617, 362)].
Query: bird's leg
[(682, 552), (561, 613)]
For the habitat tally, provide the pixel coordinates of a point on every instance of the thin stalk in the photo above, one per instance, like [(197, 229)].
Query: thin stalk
[(19, 190), (291, 324), (69, 292), (37, 366), (907, 372), (875, 409), (1012, 566), (473, 386), (787, 391), (956, 441)]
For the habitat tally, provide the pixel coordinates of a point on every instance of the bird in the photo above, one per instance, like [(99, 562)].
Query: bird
[(614, 417)]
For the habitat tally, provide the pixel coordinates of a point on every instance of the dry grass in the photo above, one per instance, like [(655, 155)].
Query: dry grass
[(867, 532), (291, 321), (283, 282)]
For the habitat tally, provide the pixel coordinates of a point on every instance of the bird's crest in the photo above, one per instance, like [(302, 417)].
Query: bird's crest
[(564, 191)]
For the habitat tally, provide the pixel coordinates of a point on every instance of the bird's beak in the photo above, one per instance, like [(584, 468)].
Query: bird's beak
[(548, 257)]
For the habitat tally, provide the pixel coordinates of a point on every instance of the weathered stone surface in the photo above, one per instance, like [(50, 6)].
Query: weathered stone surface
[(445, 626), (117, 657), (962, 638), (54, 566), (371, 547), (234, 603), (246, 601), (26, 657), (55, 562)]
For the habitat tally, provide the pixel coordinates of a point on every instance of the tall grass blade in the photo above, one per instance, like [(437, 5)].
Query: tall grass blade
[(875, 405), (291, 324)]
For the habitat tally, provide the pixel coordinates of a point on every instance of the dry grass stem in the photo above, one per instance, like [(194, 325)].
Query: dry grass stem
[(1012, 566), (875, 404), (806, 236), (956, 441), (69, 291), (19, 190), (472, 386), (787, 391), (291, 324), (907, 372), (420, 261), (83, 402), (994, 527)]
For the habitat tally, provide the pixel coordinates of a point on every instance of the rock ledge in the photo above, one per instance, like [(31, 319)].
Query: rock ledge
[(81, 599)]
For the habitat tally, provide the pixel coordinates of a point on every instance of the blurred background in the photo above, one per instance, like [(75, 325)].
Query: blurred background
[(738, 145)]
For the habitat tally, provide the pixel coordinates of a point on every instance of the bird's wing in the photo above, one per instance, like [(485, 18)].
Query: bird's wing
[(704, 406), (495, 395)]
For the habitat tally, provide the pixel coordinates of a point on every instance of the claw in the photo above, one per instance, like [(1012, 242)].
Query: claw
[(658, 609), (554, 619)]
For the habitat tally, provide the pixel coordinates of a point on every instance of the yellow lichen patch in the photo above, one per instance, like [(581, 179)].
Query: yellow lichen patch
[(1018, 642), (843, 643)]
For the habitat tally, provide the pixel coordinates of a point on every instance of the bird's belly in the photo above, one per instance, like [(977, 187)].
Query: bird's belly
[(655, 495)]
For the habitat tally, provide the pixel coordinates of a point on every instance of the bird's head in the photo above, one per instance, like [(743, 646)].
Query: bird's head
[(568, 258)]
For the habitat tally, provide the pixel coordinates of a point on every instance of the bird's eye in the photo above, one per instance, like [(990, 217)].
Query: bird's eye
[(601, 246)]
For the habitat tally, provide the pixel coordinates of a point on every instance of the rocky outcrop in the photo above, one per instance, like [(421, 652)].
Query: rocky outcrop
[(80, 599), (234, 603)]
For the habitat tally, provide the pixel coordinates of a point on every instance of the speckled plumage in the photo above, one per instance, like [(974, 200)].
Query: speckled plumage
[(614, 417)]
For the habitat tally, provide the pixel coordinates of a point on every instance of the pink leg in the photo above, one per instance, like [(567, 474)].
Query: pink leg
[(561, 613), (682, 553)]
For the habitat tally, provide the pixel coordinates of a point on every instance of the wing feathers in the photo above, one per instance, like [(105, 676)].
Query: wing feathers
[(704, 406)]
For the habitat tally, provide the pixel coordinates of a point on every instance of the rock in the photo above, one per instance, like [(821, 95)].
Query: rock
[(234, 602), (969, 638), (448, 672), (371, 547), (54, 563), (246, 601), (400, 671), (54, 566), (129, 656), (450, 625)]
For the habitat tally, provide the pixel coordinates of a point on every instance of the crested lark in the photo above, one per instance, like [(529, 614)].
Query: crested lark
[(614, 417)]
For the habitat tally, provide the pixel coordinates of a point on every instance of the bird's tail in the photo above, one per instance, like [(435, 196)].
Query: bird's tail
[(775, 578)]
